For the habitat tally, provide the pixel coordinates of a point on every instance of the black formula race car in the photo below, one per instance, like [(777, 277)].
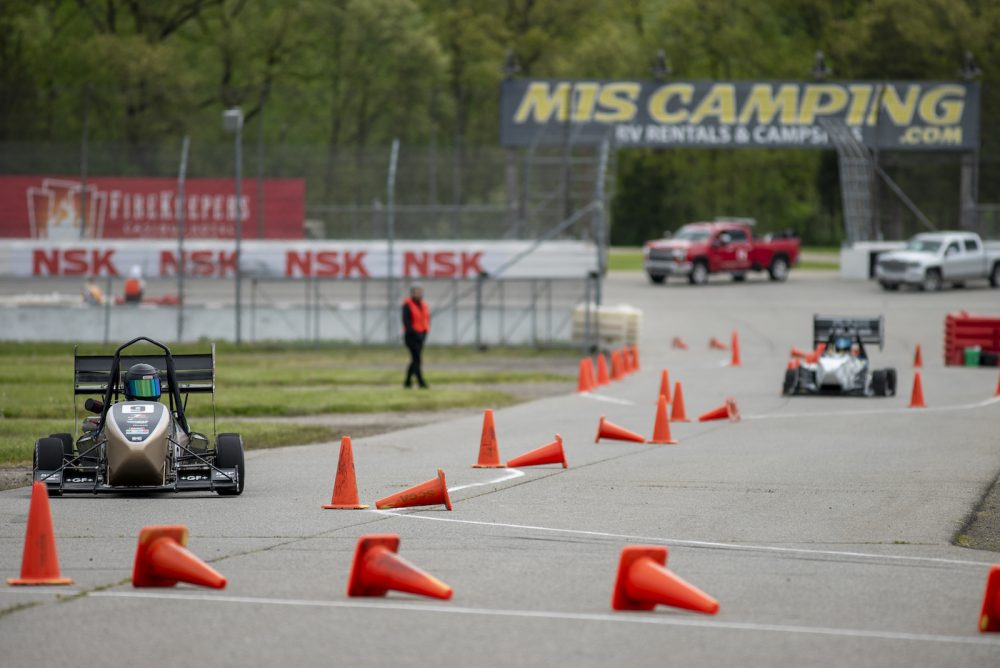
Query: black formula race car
[(133, 442), (839, 362)]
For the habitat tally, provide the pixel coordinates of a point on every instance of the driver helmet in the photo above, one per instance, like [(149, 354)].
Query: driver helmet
[(842, 344), (142, 383)]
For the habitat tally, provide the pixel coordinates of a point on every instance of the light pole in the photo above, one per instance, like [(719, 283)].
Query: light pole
[(232, 121)]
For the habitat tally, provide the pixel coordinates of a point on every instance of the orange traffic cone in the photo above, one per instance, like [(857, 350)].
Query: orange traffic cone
[(678, 414), (715, 344), (997, 393), (917, 396), (377, 569), (795, 352), (626, 361), (551, 453), (429, 493), (635, 356), (678, 343), (989, 617), (609, 430), (726, 410), (735, 347), (918, 358), (40, 563), (643, 582), (345, 486), (616, 365), (661, 427), (162, 560), (489, 449), (665, 385), (585, 380), (602, 370)]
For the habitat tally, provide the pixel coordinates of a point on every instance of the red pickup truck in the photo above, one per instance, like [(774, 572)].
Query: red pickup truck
[(723, 246)]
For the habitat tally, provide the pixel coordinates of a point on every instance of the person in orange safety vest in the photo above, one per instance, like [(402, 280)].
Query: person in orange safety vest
[(416, 325)]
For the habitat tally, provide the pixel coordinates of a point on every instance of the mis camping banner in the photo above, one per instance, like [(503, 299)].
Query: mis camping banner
[(895, 115)]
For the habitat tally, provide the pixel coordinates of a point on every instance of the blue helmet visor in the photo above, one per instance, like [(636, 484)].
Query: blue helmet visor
[(143, 388)]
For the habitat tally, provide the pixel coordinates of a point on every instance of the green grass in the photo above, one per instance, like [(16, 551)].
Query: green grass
[(17, 438), (270, 379)]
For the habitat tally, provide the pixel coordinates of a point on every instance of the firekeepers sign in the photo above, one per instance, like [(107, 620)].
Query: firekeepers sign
[(900, 115)]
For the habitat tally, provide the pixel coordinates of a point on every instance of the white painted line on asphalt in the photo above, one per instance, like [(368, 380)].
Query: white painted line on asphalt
[(700, 543), (605, 398), (511, 474), (876, 411), (621, 618)]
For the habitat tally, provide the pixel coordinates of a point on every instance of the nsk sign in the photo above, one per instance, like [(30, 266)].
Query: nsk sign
[(900, 115)]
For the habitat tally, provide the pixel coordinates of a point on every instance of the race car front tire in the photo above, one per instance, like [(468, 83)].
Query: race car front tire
[(67, 441), (890, 375), (228, 455), (791, 380), (48, 454), (880, 383)]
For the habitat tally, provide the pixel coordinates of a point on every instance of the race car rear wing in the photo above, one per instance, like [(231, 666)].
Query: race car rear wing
[(867, 330), (195, 373)]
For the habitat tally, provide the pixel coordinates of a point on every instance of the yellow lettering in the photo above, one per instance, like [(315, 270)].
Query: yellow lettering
[(541, 104), (720, 102), (861, 95), (814, 104), (586, 98), (659, 100), (900, 111), (619, 101), (939, 107), (766, 104), (951, 135)]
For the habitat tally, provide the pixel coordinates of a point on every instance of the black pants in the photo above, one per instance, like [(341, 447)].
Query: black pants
[(415, 344)]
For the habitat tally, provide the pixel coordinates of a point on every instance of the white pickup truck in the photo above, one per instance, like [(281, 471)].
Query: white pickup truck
[(933, 259)]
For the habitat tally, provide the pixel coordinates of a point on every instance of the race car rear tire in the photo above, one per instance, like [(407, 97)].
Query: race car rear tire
[(67, 441), (778, 271), (48, 454), (791, 380), (880, 382), (657, 278), (229, 454), (891, 381)]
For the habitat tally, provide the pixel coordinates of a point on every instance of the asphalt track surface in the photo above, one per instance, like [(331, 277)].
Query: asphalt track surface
[(822, 525)]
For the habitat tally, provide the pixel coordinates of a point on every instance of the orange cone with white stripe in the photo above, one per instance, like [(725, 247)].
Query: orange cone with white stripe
[(643, 582)]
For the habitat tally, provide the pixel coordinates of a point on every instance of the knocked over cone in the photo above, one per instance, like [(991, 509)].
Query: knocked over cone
[(39, 563), (643, 582), (162, 560), (429, 493), (609, 430), (377, 568), (550, 453), (727, 410), (678, 343), (715, 344)]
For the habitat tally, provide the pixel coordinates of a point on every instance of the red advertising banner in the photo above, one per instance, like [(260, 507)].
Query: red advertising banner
[(59, 209)]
